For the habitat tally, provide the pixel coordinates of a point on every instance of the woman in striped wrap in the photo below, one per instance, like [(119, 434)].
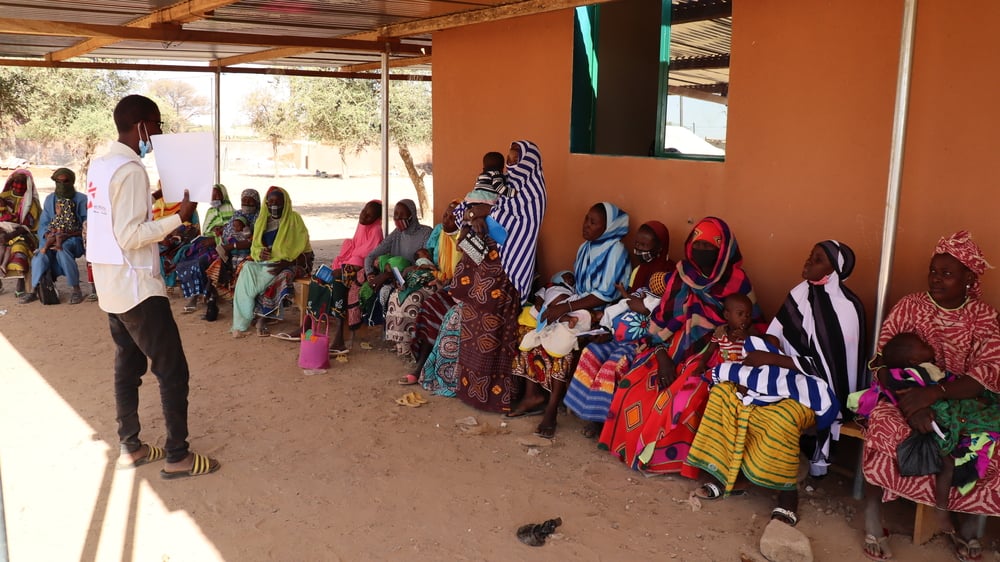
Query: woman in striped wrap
[(819, 330), (657, 408)]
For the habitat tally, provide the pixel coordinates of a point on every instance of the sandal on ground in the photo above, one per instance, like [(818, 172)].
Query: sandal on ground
[(877, 548), (411, 399), (339, 352), (153, 454), (202, 465), (409, 379), (92, 297), (525, 413), (786, 516), (285, 336), (546, 431), (76, 297), (26, 298), (711, 491), (966, 550)]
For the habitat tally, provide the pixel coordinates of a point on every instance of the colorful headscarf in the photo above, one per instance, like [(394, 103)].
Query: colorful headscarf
[(251, 218), (28, 204), (841, 256), (221, 216), (707, 231), (662, 262), (292, 239), (691, 307), (602, 263), (961, 247)]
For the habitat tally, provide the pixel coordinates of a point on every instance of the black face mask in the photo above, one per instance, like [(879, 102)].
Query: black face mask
[(705, 259), (645, 256)]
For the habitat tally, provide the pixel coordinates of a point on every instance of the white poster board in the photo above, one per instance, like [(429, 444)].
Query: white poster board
[(185, 161)]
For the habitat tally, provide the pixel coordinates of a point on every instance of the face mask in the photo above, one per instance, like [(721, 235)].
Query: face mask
[(64, 190), (215, 203), (275, 211), (401, 224), (645, 256), (248, 210), (704, 259), (145, 146), (823, 281)]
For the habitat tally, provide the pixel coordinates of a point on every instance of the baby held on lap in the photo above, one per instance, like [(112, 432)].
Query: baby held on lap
[(558, 338)]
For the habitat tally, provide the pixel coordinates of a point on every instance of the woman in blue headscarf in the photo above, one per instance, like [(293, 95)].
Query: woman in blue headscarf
[(601, 263)]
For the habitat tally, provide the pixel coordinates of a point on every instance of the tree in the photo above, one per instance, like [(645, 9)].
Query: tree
[(181, 101), (72, 107), (410, 120), (272, 117), (15, 89), (341, 112), (345, 113)]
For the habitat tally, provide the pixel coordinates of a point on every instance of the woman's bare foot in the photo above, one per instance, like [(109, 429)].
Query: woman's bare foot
[(592, 429)]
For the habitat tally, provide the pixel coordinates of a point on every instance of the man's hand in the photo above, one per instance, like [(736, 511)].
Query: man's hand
[(187, 208)]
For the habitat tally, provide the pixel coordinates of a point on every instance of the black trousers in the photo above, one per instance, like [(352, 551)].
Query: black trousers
[(148, 331)]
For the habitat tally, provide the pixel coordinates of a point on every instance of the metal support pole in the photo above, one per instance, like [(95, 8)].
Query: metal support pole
[(218, 125), (895, 162), (895, 178), (385, 140)]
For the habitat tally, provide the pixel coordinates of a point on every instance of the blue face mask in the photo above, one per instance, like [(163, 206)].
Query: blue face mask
[(144, 145)]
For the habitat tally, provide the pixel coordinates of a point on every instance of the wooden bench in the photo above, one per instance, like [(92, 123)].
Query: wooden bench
[(302, 295), (924, 525)]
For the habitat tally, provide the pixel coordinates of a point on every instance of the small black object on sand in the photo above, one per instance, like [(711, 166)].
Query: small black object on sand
[(534, 534)]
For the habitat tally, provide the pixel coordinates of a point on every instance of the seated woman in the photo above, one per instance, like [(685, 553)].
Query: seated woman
[(403, 311), (658, 405), (601, 264), (223, 272), (819, 330), (281, 253), (603, 362), (19, 236), (192, 259), (403, 242), (965, 335)]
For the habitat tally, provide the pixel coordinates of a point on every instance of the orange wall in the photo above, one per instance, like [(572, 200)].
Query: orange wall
[(810, 117)]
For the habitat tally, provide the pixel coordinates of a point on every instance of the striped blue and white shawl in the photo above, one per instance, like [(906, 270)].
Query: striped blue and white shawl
[(769, 384), (603, 262), (522, 216)]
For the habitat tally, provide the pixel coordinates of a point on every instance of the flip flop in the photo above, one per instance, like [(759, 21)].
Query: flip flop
[(712, 491), (785, 516), (409, 379), (408, 400), (202, 465), (879, 544), (528, 413), (285, 336), (339, 352), (546, 431), (153, 454), (964, 548)]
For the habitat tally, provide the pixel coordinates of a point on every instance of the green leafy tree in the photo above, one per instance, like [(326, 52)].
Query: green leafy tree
[(72, 108), (180, 103), (272, 117), (340, 112), (410, 121), (15, 102)]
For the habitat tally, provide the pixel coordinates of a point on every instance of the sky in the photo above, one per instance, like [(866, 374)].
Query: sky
[(234, 88)]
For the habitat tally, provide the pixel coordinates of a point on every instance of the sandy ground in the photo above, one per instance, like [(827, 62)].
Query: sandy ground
[(330, 468)]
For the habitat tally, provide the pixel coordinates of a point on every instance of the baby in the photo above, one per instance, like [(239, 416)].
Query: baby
[(8, 224), (421, 274), (558, 339), (728, 340), (492, 177)]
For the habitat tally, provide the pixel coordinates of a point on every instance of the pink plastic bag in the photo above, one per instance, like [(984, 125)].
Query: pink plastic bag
[(314, 344)]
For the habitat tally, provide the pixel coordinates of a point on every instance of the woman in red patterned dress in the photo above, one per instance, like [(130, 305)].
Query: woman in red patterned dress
[(965, 335)]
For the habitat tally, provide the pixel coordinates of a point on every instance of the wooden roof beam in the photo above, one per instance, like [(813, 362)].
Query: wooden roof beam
[(37, 63), (174, 33), (394, 63), (691, 12), (470, 17), (700, 63), (697, 94), (181, 12)]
